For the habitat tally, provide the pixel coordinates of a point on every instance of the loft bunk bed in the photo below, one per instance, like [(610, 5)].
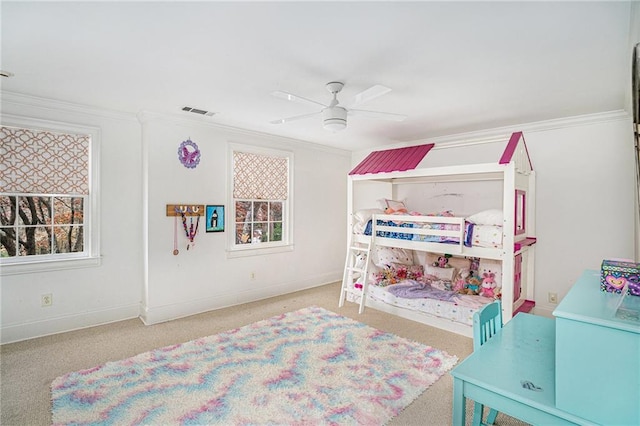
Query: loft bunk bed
[(433, 265)]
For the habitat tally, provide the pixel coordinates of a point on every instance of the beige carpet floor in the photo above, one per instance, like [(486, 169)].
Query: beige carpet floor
[(27, 368)]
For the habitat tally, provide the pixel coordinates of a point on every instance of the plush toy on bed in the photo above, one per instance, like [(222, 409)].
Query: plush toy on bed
[(461, 279), (442, 261), (471, 286), (488, 285)]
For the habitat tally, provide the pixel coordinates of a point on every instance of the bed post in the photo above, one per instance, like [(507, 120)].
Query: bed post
[(531, 230), (508, 239)]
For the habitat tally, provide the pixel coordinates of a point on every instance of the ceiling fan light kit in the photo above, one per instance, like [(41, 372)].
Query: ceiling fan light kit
[(334, 119), (334, 116)]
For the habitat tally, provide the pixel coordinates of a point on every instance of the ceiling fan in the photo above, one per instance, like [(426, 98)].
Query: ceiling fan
[(334, 115)]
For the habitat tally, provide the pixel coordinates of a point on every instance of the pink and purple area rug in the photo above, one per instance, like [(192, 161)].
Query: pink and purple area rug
[(307, 367)]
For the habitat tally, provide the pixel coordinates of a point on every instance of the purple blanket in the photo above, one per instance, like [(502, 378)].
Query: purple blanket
[(410, 289)]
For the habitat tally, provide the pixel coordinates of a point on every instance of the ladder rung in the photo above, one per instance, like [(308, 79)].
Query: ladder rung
[(356, 255), (353, 290)]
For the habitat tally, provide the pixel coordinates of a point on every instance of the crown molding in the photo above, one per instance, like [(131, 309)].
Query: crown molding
[(499, 134), (20, 99)]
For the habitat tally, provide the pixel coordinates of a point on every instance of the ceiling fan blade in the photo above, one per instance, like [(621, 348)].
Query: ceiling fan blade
[(370, 94), (294, 118), (379, 115), (295, 98)]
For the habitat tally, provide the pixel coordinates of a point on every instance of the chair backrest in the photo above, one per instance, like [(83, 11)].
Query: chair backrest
[(486, 323)]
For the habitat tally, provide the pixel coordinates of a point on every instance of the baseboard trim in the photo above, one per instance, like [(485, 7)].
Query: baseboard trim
[(158, 314), (31, 330)]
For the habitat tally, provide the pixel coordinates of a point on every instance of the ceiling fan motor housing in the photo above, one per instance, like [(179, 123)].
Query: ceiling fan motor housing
[(335, 87), (334, 118)]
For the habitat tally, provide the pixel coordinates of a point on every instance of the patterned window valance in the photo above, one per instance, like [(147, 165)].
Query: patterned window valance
[(33, 161), (260, 177)]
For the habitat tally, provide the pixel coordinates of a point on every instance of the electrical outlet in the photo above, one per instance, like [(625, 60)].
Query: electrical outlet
[(553, 297), (46, 299)]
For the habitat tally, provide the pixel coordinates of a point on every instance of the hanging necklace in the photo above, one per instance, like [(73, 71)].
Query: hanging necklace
[(190, 231), (175, 236)]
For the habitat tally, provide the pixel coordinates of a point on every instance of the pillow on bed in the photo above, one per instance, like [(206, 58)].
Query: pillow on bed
[(426, 258), (383, 256), (364, 216), (441, 273), (487, 217)]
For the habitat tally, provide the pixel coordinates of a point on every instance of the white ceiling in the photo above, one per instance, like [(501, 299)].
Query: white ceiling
[(453, 66)]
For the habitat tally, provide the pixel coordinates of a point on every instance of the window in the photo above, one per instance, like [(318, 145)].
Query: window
[(46, 199), (261, 199), (41, 225)]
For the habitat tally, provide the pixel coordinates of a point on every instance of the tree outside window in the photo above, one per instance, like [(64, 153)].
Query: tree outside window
[(45, 194), (41, 225), (261, 199)]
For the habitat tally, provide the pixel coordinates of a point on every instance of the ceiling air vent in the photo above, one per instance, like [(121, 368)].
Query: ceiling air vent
[(198, 111)]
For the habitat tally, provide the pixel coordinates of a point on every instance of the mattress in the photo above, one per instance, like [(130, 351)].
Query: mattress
[(489, 236), (461, 311)]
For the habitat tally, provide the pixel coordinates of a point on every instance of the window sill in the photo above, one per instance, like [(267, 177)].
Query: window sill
[(48, 265), (258, 251)]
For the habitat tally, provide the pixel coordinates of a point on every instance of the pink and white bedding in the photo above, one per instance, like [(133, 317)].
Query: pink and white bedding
[(486, 236), (413, 280), (461, 310), (482, 229)]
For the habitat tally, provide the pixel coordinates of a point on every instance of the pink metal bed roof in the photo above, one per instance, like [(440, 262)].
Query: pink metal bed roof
[(510, 150), (392, 160), (402, 159)]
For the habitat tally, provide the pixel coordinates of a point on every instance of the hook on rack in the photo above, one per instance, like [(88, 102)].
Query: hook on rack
[(186, 209)]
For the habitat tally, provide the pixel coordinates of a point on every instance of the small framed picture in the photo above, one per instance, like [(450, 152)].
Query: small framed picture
[(215, 218)]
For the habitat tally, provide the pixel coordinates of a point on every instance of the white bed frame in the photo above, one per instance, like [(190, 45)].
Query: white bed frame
[(515, 173)]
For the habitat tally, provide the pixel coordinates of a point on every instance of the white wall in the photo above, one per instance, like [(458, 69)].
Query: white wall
[(88, 296), (585, 184), (204, 277), (138, 275), (585, 201)]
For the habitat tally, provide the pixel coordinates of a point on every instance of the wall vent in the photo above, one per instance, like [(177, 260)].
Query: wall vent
[(198, 111)]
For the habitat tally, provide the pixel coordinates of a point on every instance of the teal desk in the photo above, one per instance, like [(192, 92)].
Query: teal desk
[(597, 355), (514, 372)]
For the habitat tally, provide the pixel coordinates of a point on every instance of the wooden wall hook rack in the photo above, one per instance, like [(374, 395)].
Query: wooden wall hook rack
[(186, 209)]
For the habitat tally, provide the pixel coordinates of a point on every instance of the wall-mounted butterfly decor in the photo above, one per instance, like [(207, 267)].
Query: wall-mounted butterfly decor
[(189, 154)]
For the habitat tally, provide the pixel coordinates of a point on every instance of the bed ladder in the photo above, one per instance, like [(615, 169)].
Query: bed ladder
[(356, 265)]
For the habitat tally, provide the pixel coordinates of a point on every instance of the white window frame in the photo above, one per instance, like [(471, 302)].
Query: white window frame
[(241, 250), (91, 255)]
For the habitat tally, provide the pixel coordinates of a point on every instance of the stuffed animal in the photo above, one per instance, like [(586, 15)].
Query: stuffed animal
[(461, 279), (497, 293), (472, 286), (360, 261), (442, 262), (488, 284)]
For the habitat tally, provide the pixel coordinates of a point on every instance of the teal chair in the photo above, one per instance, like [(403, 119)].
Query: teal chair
[(487, 322)]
